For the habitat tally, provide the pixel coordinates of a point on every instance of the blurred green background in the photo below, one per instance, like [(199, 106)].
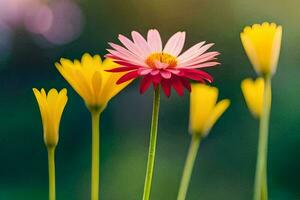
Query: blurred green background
[(31, 43)]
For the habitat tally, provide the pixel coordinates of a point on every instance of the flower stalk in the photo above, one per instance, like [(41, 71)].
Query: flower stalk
[(95, 171), (188, 168), (51, 168), (152, 145), (260, 185)]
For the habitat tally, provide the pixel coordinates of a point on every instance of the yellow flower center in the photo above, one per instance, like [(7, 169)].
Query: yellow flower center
[(163, 58)]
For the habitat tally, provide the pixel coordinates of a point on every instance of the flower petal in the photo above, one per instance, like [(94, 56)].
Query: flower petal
[(201, 59), (177, 50), (121, 69), (141, 43), (128, 76), (207, 64), (191, 51), (145, 71), (119, 56), (186, 83), (176, 40), (154, 40), (176, 83), (130, 46), (197, 75), (145, 83), (166, 86), (215, 114), (125, 52), (165, 74), (197, 53)]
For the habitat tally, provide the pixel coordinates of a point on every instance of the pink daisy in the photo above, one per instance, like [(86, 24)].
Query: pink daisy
[(161, 66)]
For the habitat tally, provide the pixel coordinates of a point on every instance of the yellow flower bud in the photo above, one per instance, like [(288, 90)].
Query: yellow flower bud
[(253, 91), (204, 109), (90, 80), (262, 45), (51, 107)]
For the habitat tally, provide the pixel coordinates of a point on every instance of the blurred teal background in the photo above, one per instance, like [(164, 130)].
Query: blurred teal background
[(31, 43)]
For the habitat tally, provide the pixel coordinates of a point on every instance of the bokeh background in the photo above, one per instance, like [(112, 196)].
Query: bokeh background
[(34, 34)]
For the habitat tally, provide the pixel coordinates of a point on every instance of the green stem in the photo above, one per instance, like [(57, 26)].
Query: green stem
[(261, 165), (264, 189), (152, 145), (95, 155), (51, 168), (188, 168)]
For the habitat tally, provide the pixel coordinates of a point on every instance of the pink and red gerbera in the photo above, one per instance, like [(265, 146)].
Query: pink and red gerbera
[(158, 65)]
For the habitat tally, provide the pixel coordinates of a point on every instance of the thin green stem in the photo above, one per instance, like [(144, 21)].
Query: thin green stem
[(95, 155), (261, 165), (51, 168), (264, 189), (152, 145), (188, 168)]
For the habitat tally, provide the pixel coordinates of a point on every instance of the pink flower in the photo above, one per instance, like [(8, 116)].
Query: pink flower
[(157, 65)]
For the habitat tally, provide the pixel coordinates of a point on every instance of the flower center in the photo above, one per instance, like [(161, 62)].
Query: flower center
[(161, 60)]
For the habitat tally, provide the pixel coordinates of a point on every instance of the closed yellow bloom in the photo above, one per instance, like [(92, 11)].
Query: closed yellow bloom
[(204, 109), (90, 80), (51, 107), (253, 91), (262, 44)]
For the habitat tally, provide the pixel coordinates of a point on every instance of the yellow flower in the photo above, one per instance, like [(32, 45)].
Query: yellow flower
[(262, 44), (51, 107), (90, 80), (204, 109), (253, 91)]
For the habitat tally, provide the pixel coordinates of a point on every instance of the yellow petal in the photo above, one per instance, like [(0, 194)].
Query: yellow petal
[(85, 86), (262, 45), (97, 83), (215, 114), (68, 74), (60, 105), (90, 80), (253, 93), (42, 106), (202, 101), (51, 107)]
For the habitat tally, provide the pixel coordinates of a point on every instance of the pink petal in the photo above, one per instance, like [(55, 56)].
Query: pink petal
[(123, 62), (165, 74), (197, 53), (128, 76), (121, 69), (154, 40), (126, 52), (144, 71), (173, 71), (121, 56), (141, 43), (128, 64), (201, 59), (191, 51), (131, 46), (155, 72), (177, 50), (172, 43), (160, 65), (207, 64)]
